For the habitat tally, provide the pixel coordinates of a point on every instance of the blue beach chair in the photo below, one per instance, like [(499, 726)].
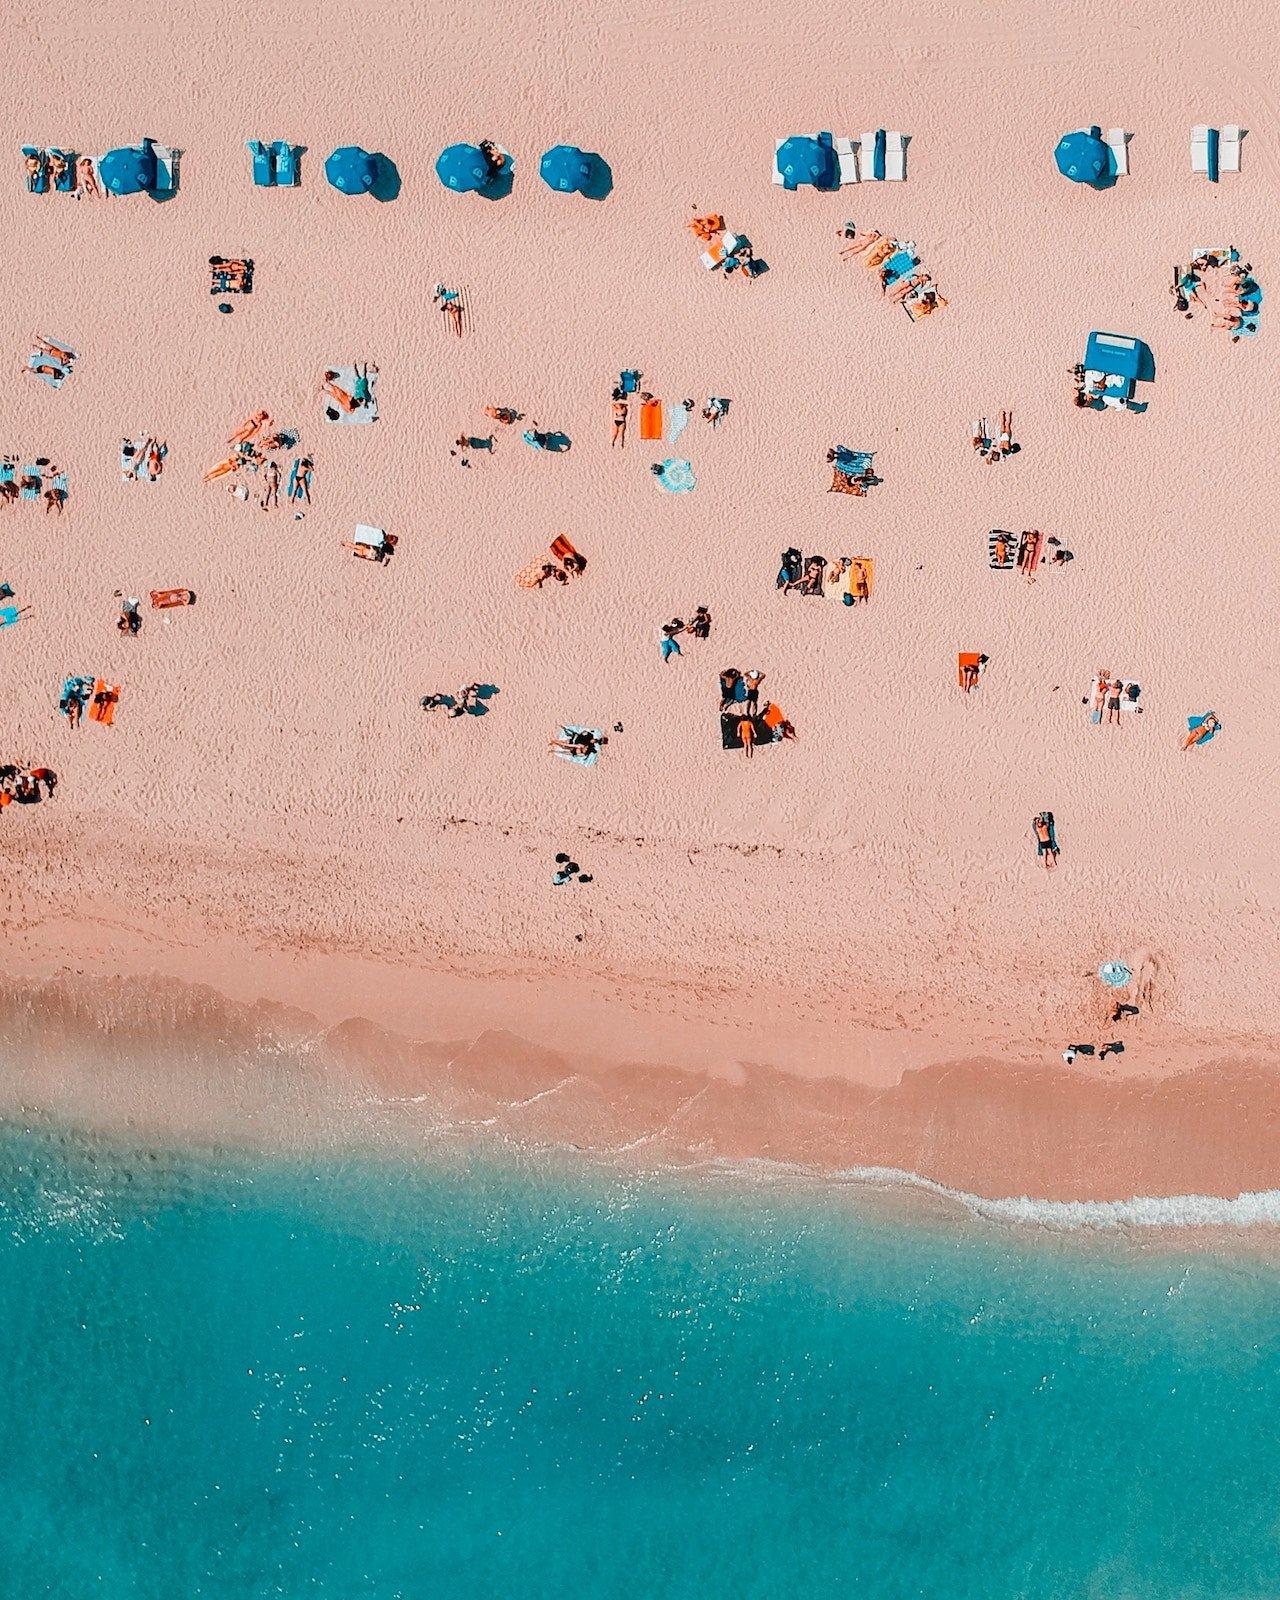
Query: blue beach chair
[(286, 161), (264, 175)]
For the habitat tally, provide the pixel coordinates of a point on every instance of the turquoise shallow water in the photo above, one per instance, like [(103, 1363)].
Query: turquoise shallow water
[(359, 1379)]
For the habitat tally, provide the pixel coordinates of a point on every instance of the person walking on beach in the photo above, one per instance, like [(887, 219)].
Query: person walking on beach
[(668, 643), (620, 410), (700, 626), (747, 733)]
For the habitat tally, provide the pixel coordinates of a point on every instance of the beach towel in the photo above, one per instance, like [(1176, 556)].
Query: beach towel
[(772, 717), (1030, 549), (48, 369), (165, 599), (651, 419), (1194, 723), (676, 476), (342, 404), (860, 576), (678, 422), (567, 732), (1002, 550), (561, 549), (102, 705), (371, 536), (731, 739), (31, 493), (530, 577), (969, 661), (900, 262)]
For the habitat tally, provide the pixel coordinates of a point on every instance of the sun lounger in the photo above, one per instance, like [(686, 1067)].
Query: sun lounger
[(38, 181), (1204, 151), (1229, 148), (714, 257), (166, 168), (364, 534), (871, 156), (67, 182), (30, 473), (1117, 142), (847, 160), (895, 157), (286, 156)]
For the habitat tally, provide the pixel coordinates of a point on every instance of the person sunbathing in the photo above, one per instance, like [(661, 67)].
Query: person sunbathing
[(905, 286), (330, 387), (581, 744), (155, 453), (8, 493), (58, 168), (55, 497), (271, 485), (859, 581), (858, 242), (251, 426), (34, 165), (926, 303), (231, 464), (1006, 433), (1203, 733), (504, 414), (1046, 849), (87, 178)]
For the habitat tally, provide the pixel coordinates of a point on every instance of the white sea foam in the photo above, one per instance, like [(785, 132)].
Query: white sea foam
[(1255, 1209)]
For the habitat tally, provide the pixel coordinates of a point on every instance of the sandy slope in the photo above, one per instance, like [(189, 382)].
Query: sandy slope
[(271, 784)]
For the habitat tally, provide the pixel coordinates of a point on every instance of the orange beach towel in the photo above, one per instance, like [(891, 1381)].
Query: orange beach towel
[(102, 706), (861, 577), (651, 419), (971, 659)]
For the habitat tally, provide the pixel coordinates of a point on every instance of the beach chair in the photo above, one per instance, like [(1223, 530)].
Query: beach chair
[(714, 257), (166, 168), (67, 182), (1204, 151), (286, 155), (1229, 148), (895, 157), (847, 161), (264, 172), (1117, 142), (871, 156)]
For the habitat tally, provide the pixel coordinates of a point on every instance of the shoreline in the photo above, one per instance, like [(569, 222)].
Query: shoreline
[(150, 1055)]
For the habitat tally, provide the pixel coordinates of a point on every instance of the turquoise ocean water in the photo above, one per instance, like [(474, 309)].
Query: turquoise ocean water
[(239, 1377)]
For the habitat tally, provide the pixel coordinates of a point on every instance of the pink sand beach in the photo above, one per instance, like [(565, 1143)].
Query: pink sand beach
[(842, 952)]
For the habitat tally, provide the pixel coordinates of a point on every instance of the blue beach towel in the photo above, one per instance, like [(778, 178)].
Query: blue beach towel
[(37, 182), (31, 494), (67, 182), (6, 471), (1198, 722)]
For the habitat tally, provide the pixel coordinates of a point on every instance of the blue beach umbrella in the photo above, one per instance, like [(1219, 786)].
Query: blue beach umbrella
[(1082, 156), (803, 160), (566, 168), (1115, 974), (676, 476), (351, 169), (131, 170), (463, 167)]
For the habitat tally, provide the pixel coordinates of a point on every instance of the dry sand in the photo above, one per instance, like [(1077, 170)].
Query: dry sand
[(274, 815)]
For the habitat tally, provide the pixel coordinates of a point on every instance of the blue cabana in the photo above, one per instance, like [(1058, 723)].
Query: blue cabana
[(131, 170), (463, 167), (1115, 353), (566, 168), (1083, 157), (803, 160), (351, 169)]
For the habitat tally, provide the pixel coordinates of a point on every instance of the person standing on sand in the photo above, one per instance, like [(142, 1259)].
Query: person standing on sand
[(747, 733), (753, 680), (668, 643), (1046, 846)]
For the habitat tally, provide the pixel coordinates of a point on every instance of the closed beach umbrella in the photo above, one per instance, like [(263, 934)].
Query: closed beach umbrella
[(1115, 974), (351, 169), (803, 160), (1081, 156), (565, 167), (128, 171), (463, 167)]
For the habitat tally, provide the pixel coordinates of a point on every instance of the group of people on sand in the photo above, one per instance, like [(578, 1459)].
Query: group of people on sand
[(994, 448), (677, 420), (743, 722), (848, 576), (59, 170), (728, 252), (1217, 281), (568, 564), (256, 448), (26, 786), (852, 471), (903, 282), (698, 627), (1109, 695), (46, 482), (469, 700)]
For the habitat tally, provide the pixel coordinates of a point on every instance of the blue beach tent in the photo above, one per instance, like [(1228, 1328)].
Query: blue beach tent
[(351, 169), (1117, 353), (566, 168), (463, 167), (803, 160), (131, 170), (1083, 157)]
